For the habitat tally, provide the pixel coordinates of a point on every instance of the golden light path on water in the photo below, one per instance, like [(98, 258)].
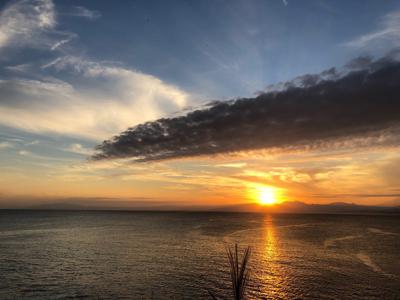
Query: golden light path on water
[(269, 278), (272, 275)]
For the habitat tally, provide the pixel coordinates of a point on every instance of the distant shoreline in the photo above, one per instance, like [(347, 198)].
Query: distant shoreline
[(389, 212)]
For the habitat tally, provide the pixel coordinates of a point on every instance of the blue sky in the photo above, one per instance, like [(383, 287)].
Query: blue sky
[(224, 49), (73, 73)]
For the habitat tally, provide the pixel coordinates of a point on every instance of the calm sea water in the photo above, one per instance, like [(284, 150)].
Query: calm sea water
[(147, 255)]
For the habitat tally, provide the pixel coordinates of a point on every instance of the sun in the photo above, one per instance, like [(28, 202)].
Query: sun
[(267, 196)]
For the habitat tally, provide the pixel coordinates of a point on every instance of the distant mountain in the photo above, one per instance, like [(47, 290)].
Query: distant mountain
[(60, 206), (394, 202), (107, 206), (115, 204), (284, 207)]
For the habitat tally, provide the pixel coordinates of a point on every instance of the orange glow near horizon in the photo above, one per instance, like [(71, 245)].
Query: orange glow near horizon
[(266, 195)]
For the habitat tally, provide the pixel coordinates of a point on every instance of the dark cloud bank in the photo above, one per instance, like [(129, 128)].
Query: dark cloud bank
[(362, 100)]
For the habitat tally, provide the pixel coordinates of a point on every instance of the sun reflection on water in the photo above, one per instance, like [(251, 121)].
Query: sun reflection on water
[(270, 239), (272, 277)]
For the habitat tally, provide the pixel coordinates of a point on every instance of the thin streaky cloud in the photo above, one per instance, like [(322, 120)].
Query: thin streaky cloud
[(80, 11), (60, 43), (389, 31), (79, 149)]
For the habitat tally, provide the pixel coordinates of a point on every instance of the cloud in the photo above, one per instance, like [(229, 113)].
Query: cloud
[(21, 68), (390, 172), (79, 149), (58, 44), (47, 158), (275, 176), (24, 153), (26, 22), (80, 11), (389, 31), (32, 23), (311, 112), (107, 99), (6, 145), (238, 165)]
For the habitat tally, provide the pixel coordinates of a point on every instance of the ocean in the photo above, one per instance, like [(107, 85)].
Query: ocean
[(182, 255)]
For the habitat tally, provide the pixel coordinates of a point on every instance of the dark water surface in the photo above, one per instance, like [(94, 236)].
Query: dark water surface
[(150, 255)]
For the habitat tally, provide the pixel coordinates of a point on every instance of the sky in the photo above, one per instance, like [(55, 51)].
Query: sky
[(199, 103)]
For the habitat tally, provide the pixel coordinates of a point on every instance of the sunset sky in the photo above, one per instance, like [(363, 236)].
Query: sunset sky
[(317, 120)]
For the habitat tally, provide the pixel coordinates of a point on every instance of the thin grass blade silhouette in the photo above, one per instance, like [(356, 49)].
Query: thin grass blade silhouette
[(239, 271)]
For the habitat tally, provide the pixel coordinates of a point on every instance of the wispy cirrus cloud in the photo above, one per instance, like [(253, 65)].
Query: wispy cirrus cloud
[(388, 32), (80, 11), (27, 23), (310, 112), (79, 149), (33, 23)]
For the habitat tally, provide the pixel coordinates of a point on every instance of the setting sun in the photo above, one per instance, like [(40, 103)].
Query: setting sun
[(267, 196)]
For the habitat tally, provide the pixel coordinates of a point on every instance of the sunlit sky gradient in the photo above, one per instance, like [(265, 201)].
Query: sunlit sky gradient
[(74, 73)]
